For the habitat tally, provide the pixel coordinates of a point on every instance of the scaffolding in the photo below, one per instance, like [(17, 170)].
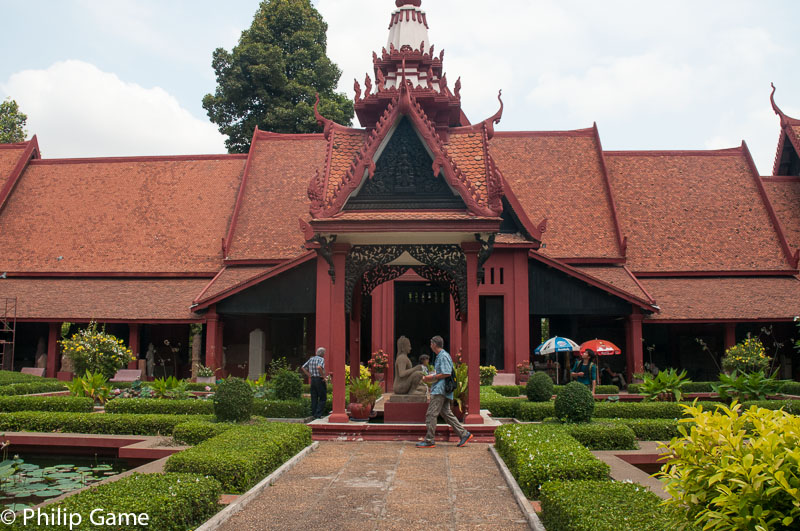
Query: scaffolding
[(8, 326)]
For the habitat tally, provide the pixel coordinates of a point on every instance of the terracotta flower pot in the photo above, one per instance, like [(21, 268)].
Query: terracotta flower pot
[(379, 376), (457, 411), (360, 411)]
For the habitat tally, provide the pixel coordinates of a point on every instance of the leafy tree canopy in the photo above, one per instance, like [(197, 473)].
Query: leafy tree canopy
[(271, 77), (12, 122)]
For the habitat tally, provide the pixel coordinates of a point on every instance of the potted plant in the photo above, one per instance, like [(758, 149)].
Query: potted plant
[(460, 392), (363, 394), (378, 364), (666, 386), (524, 371), (205, 374)]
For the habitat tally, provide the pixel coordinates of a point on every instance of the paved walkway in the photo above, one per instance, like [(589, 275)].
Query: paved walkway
[(386, 486)]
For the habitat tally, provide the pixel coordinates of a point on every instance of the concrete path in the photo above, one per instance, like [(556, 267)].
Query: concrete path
[(386, 486)]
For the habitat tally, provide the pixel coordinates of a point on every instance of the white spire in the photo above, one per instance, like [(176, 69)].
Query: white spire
[(409, 26)]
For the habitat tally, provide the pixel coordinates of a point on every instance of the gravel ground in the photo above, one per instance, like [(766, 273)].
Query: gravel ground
[(386, 486)]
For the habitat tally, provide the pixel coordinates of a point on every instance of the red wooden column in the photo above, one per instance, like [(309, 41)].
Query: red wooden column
[(383, 325), (730, 335), (355, 333), (634, 354), (322, 317), (52, 350), (133, 344), (470, 335), (338, 321), (520, 293), (214, 341)]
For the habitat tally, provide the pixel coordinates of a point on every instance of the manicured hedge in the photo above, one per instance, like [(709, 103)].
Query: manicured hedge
[(172, 502), (509, 390), (194, 432), (607, 390), (500, 406), (536, 453), (241, 457), (282, 409), (603, 506), (790, 387), (10, 377), (46, 403), (635, 389), (92, 423), (194, 386), (644, 410), (160, 406), (535, 411), (652, 429), (698, 387), (789, 406), (29, 388), (603, 435)]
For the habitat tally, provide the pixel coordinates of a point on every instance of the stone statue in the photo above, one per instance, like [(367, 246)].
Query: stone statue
[(407, 378), (151, 358)]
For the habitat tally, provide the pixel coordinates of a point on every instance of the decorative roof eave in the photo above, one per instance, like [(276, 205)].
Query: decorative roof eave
[(31, 152), (792, 258), (787, 131), (648, 305), (403, 104)]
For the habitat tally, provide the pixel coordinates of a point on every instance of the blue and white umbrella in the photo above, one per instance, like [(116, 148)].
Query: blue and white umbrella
[(557, 344)]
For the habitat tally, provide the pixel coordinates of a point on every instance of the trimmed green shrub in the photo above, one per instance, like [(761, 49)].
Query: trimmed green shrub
[(233, 401), (790, 387), (172, 502), (790, 406), (33, 387), (91, 423), (282, 409), (535, 453), (287, 385), (603, 506), (160, 406), (535, 411), (574, 403), (607, 390), (697, 387), (498, 406), (603, 435), (635, 389), (46, 403), (539, 387), (196, 431), (512, 391), (651, 429), (10, 377), (241, 457), (194, 386), (643, 410), (724, 480)]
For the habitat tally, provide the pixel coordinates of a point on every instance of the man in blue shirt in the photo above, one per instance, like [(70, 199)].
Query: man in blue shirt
[(440, 399), (314, 368)]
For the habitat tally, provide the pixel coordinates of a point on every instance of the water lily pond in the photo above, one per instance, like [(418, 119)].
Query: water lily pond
[(28, 481)]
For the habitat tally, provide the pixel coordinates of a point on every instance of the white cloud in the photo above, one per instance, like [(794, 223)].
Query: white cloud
[(77, 110)]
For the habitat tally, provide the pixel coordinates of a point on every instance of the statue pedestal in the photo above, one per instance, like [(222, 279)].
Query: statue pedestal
[(405, 408)]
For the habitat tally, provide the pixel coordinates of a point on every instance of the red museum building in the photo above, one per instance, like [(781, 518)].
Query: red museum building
[(418, 223)]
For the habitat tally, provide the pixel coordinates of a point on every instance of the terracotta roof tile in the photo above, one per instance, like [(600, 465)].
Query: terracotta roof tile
[(345, 145), (149, 215), (9, 157), (467, 151), (229, 277), (275, 196), (693, 211), (725, 298), (784, 195), (73, 299), (558, 176), (617, 276)]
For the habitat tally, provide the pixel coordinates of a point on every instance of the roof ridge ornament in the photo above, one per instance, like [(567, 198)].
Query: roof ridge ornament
[(401, 3), (784, 118), (326, 124)]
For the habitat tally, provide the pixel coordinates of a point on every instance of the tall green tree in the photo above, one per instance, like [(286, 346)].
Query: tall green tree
[(271, 77), (12, 122)]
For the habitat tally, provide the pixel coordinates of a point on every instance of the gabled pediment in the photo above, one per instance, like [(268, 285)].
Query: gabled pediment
[(462, 164)]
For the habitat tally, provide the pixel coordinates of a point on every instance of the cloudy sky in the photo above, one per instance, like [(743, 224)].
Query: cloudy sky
[(126, 77)]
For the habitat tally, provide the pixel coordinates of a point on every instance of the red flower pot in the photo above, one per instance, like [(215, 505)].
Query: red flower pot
[(360, 411)]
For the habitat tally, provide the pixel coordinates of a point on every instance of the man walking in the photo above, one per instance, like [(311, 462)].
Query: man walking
[(314, 368), (440, 399)]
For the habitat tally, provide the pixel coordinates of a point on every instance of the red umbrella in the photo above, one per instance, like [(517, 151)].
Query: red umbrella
[(601, 347)]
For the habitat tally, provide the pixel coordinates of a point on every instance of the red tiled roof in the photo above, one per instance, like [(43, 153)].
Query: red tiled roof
[(159, 214), (467, 150), (9, 157), (559, 176), (77, 299), (229, 277), (343, 146), (796, 139), (735, 298), (274, 197), (693, 211), (784, 194), (617, 276)]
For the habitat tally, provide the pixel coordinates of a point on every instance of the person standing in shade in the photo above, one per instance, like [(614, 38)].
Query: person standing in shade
[(585, 371), (314, 368), (440, 399)]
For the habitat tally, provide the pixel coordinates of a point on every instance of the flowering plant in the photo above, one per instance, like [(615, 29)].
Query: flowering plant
[(523, 368), (378, 362), (746, 357), (204, 372), (96, 351)]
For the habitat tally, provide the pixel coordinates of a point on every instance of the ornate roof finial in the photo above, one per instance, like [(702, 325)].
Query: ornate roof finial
[(784, 118)]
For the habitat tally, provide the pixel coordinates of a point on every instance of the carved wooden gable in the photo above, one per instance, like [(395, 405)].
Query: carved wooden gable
[(404, 178)]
